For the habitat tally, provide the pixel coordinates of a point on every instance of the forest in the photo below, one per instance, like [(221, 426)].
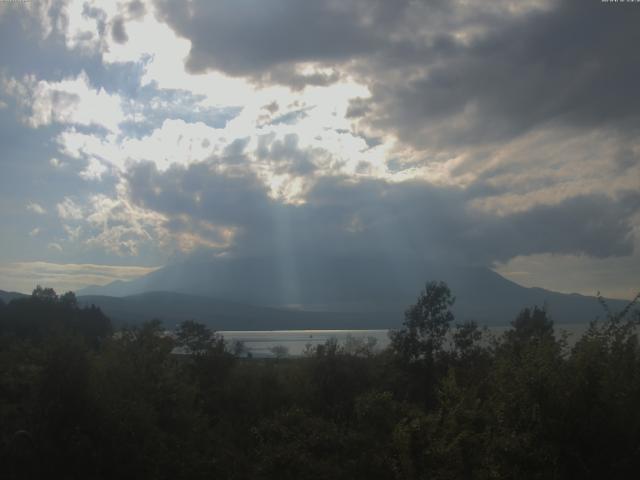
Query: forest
[(79, 400)]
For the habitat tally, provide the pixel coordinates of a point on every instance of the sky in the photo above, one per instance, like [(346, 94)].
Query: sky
[(503, 134)]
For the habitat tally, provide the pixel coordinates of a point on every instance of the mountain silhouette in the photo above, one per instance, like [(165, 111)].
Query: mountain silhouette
[(371, 292), (6, 297)]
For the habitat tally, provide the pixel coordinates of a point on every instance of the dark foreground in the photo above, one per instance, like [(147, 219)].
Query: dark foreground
[(77, 401)]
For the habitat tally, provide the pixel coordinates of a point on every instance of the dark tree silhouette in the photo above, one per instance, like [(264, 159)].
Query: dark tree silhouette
[(426, 324)]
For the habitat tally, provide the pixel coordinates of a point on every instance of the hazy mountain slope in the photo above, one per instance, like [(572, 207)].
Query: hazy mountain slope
[(173, 308), (381, 289), (6, 297), (323, 282)]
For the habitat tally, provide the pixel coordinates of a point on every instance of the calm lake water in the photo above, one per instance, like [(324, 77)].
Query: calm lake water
[(261, 343)]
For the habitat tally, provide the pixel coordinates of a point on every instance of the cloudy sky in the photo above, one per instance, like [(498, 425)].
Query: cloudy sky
[(504, 133)]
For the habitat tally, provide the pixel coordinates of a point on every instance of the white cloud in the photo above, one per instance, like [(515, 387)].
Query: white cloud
[(176, 141), (324, 129), (317, 120), (82, 28), (612, 277), (119, 227), (69, 210), (56, 247), (550, 165), (69, 101), (24, 276), (73, 233), (94, 170), (112, 224), (36, 208)]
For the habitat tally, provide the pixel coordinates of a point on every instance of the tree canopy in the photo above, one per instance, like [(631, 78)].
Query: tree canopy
[(444, 401)]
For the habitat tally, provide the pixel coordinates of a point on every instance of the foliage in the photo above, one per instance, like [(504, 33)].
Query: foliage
[(443, 402), (44, 314), (426, 325)]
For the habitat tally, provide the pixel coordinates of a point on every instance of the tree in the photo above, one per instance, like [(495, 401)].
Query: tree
[(44, 294), (279, 351), (359, 346), (197, 338), (45, 313), (238, 348), (426, 324), (531, 325), (207, 361), (69, 300), (618, 316), (466, 338)]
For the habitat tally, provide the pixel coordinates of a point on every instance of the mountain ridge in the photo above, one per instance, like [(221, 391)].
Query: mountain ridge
[(173, 308), (6, 296), (337, 289)]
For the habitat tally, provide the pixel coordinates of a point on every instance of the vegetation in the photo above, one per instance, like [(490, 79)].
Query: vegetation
[(444, 401)]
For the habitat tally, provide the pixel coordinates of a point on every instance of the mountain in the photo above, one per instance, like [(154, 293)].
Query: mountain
[(117, 288), (375, 289), (173, 308), (6, 297)]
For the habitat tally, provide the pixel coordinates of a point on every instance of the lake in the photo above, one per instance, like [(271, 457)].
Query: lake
[(260, 343)]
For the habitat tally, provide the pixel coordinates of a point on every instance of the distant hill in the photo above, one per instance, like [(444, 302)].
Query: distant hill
[(371, 292), (173, 308), (117, 288), (6, 297)]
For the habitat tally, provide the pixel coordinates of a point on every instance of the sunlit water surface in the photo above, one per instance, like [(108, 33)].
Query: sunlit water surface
[(262, 343)]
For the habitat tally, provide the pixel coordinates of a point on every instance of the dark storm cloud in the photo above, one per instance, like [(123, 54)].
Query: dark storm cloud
[(403, 220), (264, 39), (136, 8), (297, 81), (575, 63), (118, 31), (593, 225), (234, 199), (626, 158), (424, 220), (24, 51)]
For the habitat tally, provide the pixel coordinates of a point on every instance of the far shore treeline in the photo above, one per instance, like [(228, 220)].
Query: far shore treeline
[(443, 401)]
